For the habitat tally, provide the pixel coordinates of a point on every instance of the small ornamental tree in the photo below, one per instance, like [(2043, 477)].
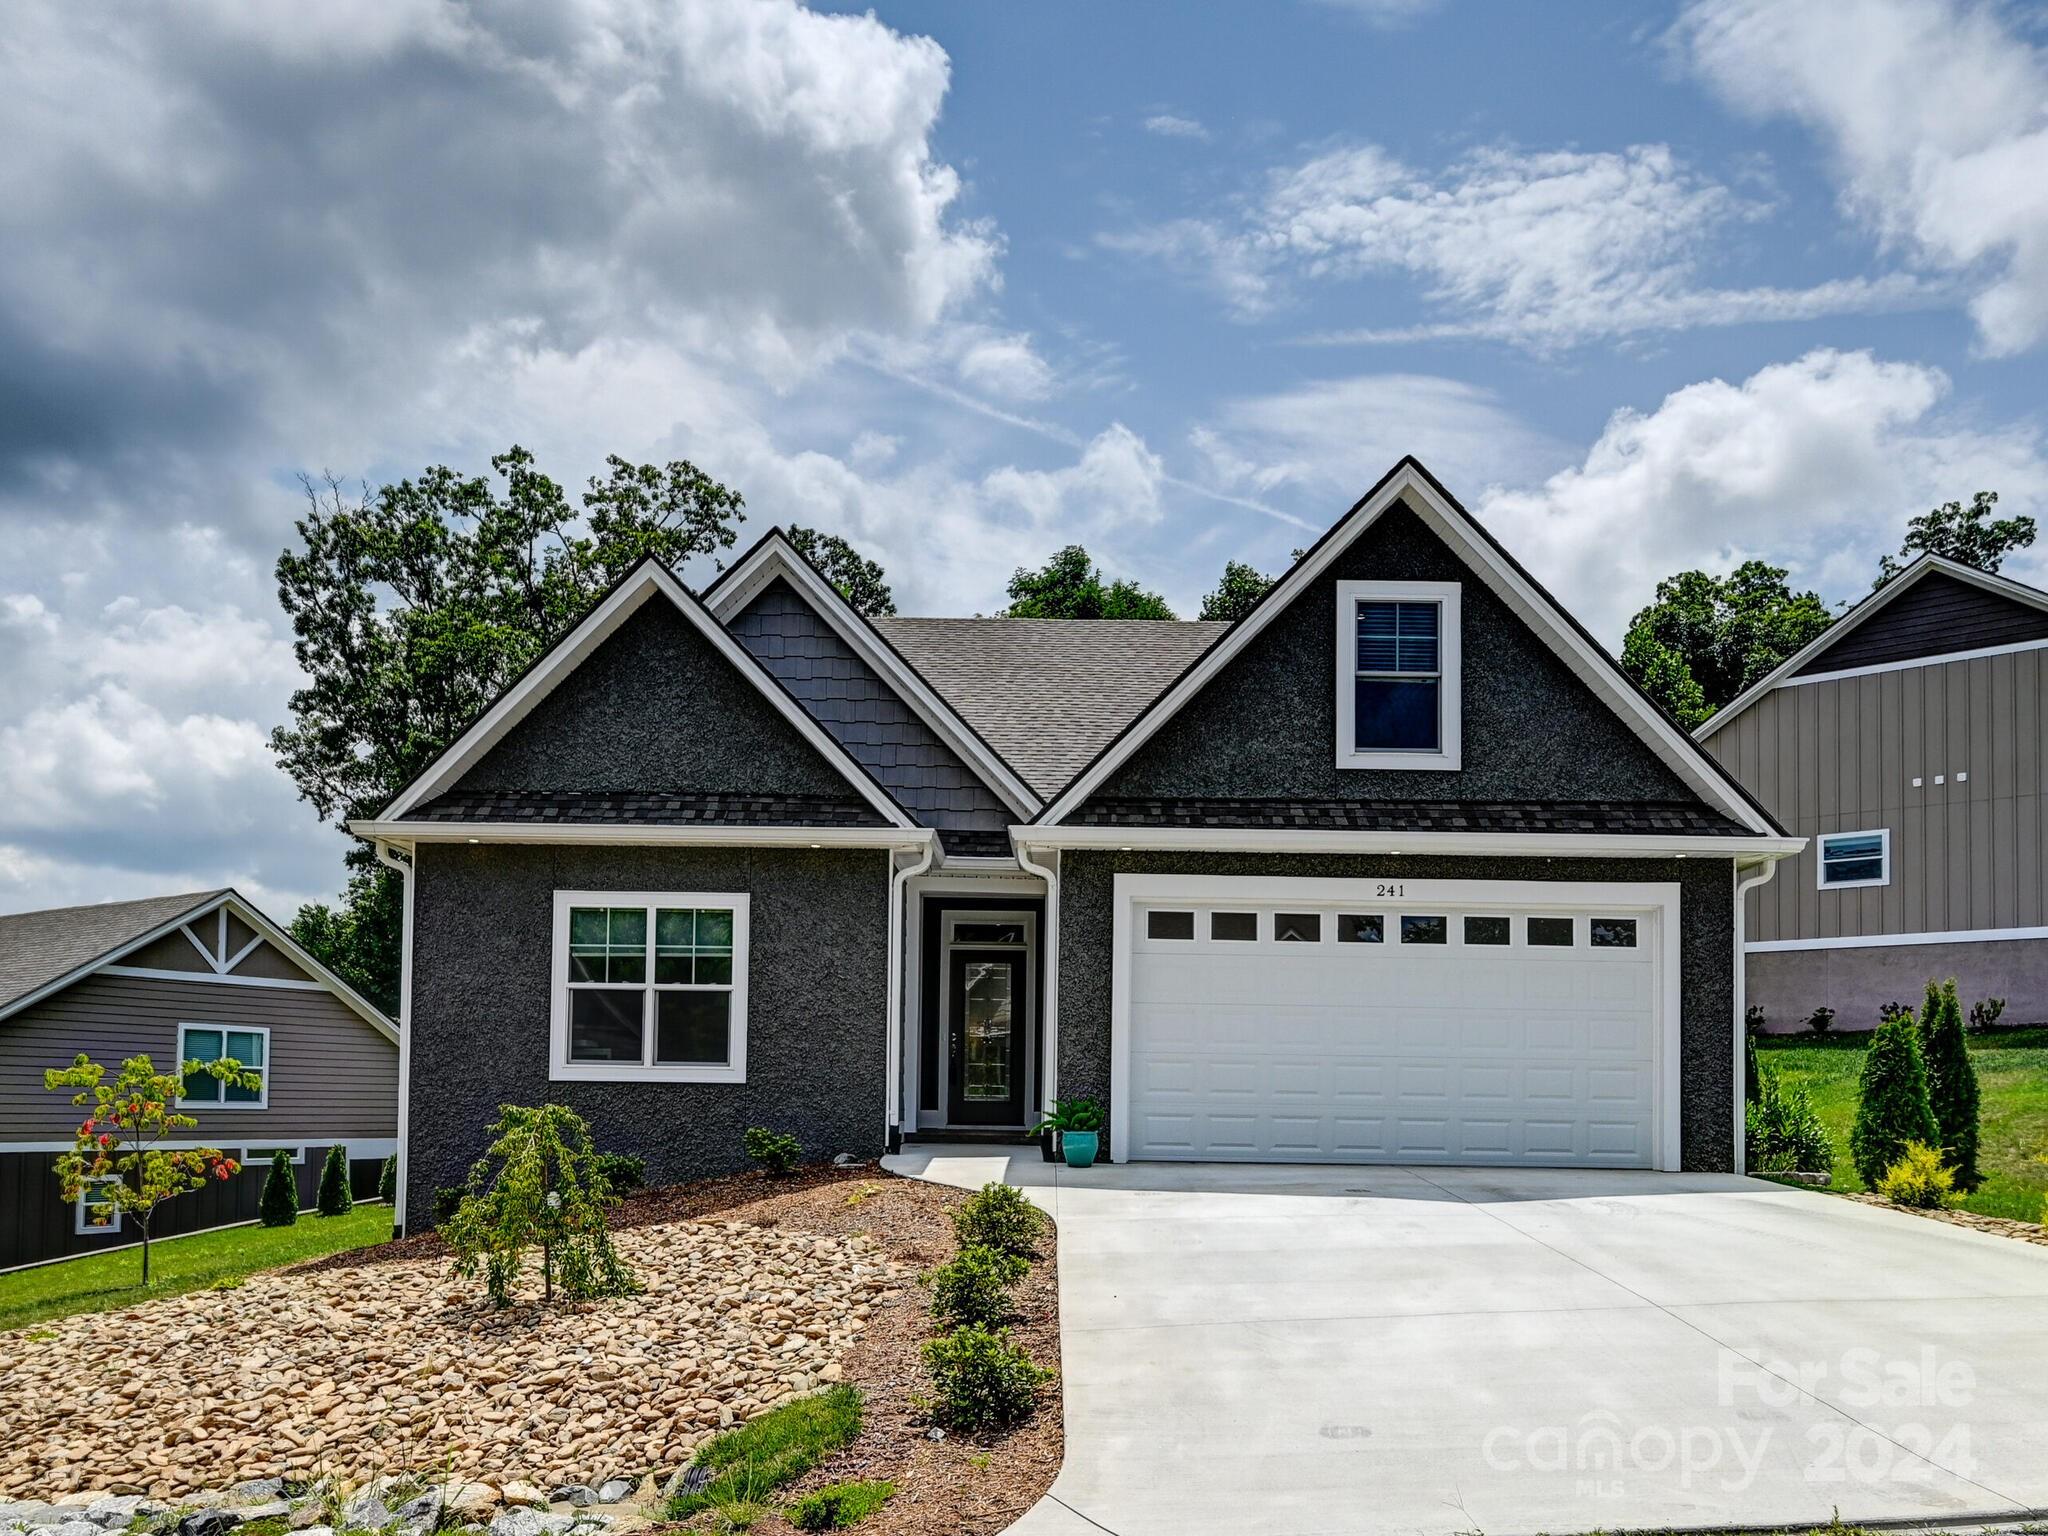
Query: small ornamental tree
[(387, 1180), (1891, 1107), (279, 1206), (539, 1186), (336, 1198), (119, 1149), (1951, 1080)]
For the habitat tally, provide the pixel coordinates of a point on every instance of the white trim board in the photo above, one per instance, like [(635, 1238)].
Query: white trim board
[(1657, 899), (1408, 482), (209, 979), (360, 1148), (1848, 623), (645, 581), (1888, 940), (1914, 663), (775, 556)]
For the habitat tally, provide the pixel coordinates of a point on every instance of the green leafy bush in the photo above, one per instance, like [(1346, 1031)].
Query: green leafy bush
[(538, 1186), (1891, 1107), (981, 1380), (776, 1448), (1919, 1179), (837, 1505), (1784, 1131), (1821, 1020), (622, 1172), (447, 1201), (1984, 1015), (998, 1216), (1077, 1114), (336, 1198), (974, 1286), (1951, 1080), (776, 1151), (278, 1205), (387, 1180)]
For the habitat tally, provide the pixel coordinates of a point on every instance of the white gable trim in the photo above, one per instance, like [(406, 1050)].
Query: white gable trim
[(1781, 675), (597, 626), (775, 556), (1588, 662), (227, 901)]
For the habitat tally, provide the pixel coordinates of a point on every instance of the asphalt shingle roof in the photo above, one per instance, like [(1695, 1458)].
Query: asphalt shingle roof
[(1668, 818), (1048, 694), (647, 808), (36, 948)]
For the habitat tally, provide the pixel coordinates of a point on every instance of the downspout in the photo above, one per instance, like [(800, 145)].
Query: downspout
[(404, 868), (1049, 1009), (1742, 889), (892, 1092)]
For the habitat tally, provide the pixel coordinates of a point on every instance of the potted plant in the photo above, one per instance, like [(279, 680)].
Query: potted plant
[(1070, 1118)]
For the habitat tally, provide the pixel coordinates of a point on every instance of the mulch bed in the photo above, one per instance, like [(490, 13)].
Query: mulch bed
[(1997, 1226)]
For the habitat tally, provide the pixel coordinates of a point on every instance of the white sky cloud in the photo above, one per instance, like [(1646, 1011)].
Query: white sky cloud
[(1174, 125), (1935, 119)]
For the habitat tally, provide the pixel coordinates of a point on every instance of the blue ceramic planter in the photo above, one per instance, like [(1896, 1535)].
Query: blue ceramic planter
[(1080, 1147)]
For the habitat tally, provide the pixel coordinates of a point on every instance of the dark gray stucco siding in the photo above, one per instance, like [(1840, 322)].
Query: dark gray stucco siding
[(1266, 725), (655, 707), (1706, 958), (817, 979)]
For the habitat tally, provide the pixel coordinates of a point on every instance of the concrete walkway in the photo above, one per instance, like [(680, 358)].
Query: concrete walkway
[(1267, 1350)]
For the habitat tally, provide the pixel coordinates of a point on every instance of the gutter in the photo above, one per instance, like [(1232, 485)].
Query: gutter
[(405, 872), (892, 1091), (1049, 1008), (1743, 886)]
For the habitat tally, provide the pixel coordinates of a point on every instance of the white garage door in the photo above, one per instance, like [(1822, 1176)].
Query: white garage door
[(1442, 1024)]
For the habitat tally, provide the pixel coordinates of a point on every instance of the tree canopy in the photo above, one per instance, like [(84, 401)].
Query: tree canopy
[(414, 607), (1236, 592), (1071, 586), (861, 581), (1705, 638), (1967, 535)]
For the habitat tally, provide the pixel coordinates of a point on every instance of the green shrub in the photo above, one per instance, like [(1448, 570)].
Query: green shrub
[(622, 1172), (1919, 1179), (776, 1151), (1752, 1073), (1784, 1132), (974, 1286), (1891, 1106), (278, 1206), (1821, 1020), (998, 1216), (447, 1201), (1984, 1015), (837, 1505), (336, 1199), (387, 1180), (1951, 1080), (981, 1379), (771, 1450)]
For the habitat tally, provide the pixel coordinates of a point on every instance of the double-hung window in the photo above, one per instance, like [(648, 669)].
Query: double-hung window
[(1849, 859), (1398, 671), (650, 985), (248, 1048)]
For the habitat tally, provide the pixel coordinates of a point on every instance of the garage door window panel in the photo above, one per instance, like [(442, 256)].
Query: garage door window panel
[(1425, 929), (1298, 927), (1170, 926), (1361, 928), (1234, 927), (1551, 933), (1487, 932)]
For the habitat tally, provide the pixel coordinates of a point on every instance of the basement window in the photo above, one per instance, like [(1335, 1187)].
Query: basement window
[(1850, 859)]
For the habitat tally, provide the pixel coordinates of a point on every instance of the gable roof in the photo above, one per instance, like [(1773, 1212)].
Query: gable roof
[(1408, 481), (774, 556), (42, 953), (648, 580), (1050, 693), (1800, 663)]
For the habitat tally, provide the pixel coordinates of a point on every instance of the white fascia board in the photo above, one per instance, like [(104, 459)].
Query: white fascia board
[(1501, 844), (773, 557), (410, 833), (1891, 940), (1781, 675), (1590, 664), (592, 631)]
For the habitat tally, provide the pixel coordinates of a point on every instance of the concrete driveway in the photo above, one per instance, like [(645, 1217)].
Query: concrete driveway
[(1265, 1350)]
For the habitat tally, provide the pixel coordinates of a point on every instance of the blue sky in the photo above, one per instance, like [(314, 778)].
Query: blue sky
[(1649, 286)]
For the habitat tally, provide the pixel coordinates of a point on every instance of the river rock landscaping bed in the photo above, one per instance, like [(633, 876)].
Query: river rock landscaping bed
[(1997, 1226)]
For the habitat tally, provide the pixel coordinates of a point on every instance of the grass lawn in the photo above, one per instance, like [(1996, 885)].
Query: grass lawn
[(100, 1282), (2012, 1073), (750, 1463)]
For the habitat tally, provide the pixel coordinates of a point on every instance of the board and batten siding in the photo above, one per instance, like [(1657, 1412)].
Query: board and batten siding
[(1841, 756), (331, 1076)]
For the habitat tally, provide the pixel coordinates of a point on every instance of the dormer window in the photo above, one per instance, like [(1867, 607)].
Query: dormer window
[(1398, 697)]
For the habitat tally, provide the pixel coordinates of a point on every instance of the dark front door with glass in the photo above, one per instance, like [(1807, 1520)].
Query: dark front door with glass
[(985, 1038)]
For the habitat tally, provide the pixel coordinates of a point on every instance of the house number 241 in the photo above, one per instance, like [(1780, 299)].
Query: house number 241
[(1383, 889)]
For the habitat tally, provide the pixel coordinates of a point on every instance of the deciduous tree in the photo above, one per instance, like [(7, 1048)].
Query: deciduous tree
[(861, 581), (1071, 586)]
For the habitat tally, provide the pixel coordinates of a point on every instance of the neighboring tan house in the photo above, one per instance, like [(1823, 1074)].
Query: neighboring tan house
[(1907, 742), (1397, 868), (181, 978)]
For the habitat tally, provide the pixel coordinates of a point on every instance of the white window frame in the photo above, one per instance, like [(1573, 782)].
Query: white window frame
[(221, 1105), (80, 1227), (1820, 860), (1449, 755), (734, 1069), (249, 1154)]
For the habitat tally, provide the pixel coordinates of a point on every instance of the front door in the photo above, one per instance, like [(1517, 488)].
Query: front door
[(985, 1013)]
